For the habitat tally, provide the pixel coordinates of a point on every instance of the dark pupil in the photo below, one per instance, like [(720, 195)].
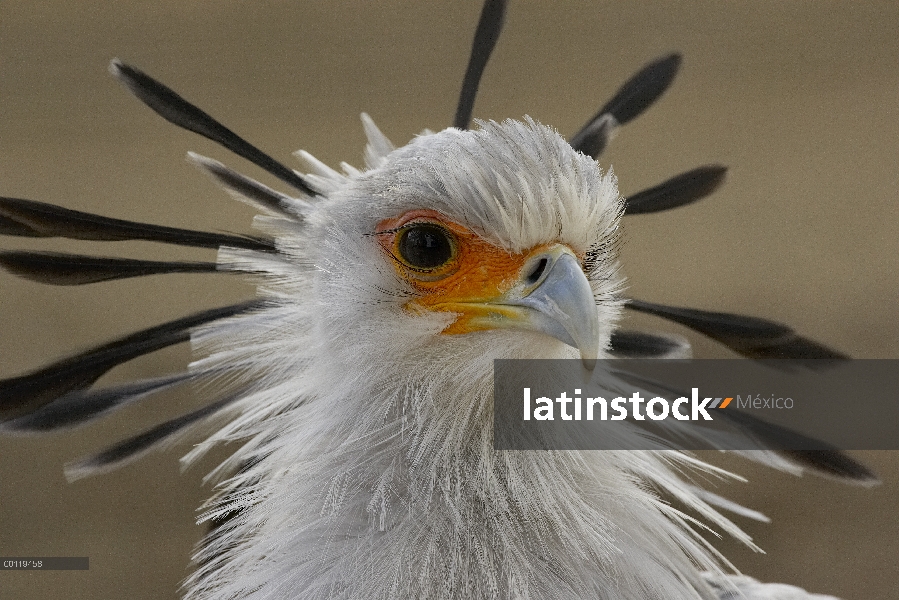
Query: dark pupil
[(425, 246)]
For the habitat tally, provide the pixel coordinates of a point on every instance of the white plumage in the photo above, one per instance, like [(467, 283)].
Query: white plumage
[(370, 471), (367, 467)]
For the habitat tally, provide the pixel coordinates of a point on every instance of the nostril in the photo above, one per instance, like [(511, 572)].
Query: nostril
[(538, 271)]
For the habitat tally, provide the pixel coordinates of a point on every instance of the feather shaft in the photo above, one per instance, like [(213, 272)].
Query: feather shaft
[(136, 446), (751, 337), (485, 37), (176, 110), (49, 220), (636, 95), (74, 269), (26, 393), (82, 406), (248, 189), (680, 190)]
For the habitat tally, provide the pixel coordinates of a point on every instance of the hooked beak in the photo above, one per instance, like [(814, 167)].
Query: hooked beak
[(560, 304), (552, 297)]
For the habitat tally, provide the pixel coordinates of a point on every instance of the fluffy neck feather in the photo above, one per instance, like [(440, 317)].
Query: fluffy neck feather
[(370, 470), (384, 484)]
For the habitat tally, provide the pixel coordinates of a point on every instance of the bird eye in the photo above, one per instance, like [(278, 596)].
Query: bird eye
[(425, 246)]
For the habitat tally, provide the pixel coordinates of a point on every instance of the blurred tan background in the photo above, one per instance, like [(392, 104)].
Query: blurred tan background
[(800, 99)]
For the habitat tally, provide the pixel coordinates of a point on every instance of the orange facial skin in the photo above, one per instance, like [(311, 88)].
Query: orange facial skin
[(471, 283)]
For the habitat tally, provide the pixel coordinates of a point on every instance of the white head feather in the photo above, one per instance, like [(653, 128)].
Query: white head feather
[(370, 470)]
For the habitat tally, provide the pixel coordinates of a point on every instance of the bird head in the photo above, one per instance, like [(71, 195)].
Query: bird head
[(360, 384), (501, 239)]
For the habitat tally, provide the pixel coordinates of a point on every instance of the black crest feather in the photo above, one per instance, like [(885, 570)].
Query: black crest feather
[(679, 190), (173, 108), (751, 337), (635, 96), (485, 37), (74, 269), (26, 393), (138, 445), (39, 219)]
